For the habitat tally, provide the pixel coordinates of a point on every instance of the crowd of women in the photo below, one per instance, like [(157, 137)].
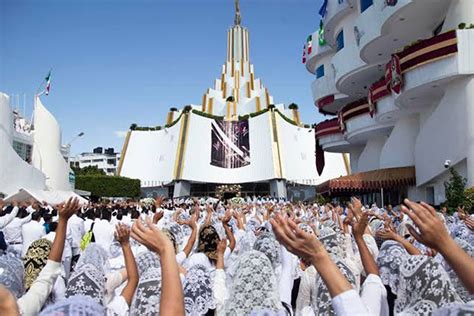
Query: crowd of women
[(246, 257)]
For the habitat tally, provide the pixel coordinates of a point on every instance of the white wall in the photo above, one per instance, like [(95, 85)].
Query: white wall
[(47, 155), (15, 173), (151, 155), (442, 136), (197, 162), (399, 149), (355, 155), (298, 155), (460, 11), (370, 157)]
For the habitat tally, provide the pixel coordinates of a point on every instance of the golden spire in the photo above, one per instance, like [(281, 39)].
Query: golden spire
[(237, 18)]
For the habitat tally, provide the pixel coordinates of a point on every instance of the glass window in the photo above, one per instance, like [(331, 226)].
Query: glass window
[(340, 40), (365, 4), (320, 71)]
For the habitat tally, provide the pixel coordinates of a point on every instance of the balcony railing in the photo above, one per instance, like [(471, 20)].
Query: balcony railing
[(418, 54), (328, 127)]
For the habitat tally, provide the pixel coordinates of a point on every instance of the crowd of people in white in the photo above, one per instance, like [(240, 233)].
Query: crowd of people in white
[(259, 256)]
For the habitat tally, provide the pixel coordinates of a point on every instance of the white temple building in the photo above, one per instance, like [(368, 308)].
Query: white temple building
[(238, 139), (31, 165), (396, 79)]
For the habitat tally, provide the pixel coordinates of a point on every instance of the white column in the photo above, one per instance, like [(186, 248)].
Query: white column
[(354, 154), (399, 149), (469, 90), (182, 189), (370, 156), (278, 188)]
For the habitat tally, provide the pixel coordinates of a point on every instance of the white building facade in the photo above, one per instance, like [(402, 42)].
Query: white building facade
[(237, 136), (32, 164), (397, 78), (106, 160)]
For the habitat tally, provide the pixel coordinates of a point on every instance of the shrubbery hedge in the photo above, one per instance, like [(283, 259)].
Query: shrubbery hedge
[(108, 186)]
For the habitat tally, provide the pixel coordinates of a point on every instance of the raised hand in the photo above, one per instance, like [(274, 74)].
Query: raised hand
[(151, 237), (359, 226), (432, 230), (221, 246), (387, 234), (65, 211), (294, 239), (469, 223), (227, 217), (122, 233), (191, 222), (159, 201), (157, 216), (356, 207)]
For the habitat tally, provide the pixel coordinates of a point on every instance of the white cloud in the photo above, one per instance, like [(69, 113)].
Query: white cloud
[(120, 134)]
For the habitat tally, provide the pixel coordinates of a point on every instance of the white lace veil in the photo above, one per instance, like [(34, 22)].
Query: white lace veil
[(75, 305), (198, 296), (146, 260), (147, 295), (88, 277), (255, 287), (267, 244), (390, 258), (424, 287), (11, 274), (321, 301)]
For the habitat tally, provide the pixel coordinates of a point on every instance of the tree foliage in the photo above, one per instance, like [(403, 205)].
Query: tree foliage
[(469, 200), (454, 190), (89, 170), (108, 186)]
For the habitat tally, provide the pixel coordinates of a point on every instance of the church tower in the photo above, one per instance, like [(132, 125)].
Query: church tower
[(237, 91)]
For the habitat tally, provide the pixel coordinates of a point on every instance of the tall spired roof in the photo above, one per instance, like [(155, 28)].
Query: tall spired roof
[(237, 91), (237, 18)]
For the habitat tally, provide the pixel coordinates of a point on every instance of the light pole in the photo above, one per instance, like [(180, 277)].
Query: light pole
[(67, 147)]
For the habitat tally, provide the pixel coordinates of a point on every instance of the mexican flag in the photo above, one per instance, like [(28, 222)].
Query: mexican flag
[(309, 44), (48, 83)]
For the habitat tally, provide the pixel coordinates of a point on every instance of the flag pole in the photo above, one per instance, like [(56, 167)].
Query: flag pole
[(41, 84)]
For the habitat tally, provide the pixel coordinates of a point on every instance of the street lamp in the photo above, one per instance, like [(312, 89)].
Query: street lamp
[(67, 148)]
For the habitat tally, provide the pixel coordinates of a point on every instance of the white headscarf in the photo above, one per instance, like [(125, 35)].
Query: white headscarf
[(255, 287)]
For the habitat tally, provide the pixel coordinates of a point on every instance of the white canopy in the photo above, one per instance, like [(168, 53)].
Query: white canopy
[(51, 197)]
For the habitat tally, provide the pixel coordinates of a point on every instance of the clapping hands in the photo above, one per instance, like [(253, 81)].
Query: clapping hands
[(294, 239), (122, 234), (151, 237), (432, 231)]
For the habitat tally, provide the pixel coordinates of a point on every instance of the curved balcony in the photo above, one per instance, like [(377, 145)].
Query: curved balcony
[(326, 96), (317, 52), (432, 63), (330, 136), (382, 29), (351, 73), (413, 79), (336, 10)]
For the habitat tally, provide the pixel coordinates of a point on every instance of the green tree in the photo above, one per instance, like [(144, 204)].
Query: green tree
[(454, 190), (469, 199), (108, 186), (89, 170)]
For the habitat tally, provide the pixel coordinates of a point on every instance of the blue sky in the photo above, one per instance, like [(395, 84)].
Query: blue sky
[(119, 62)]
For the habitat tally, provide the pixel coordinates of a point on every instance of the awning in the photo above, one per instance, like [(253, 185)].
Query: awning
[(370, 181), (51, 197)]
